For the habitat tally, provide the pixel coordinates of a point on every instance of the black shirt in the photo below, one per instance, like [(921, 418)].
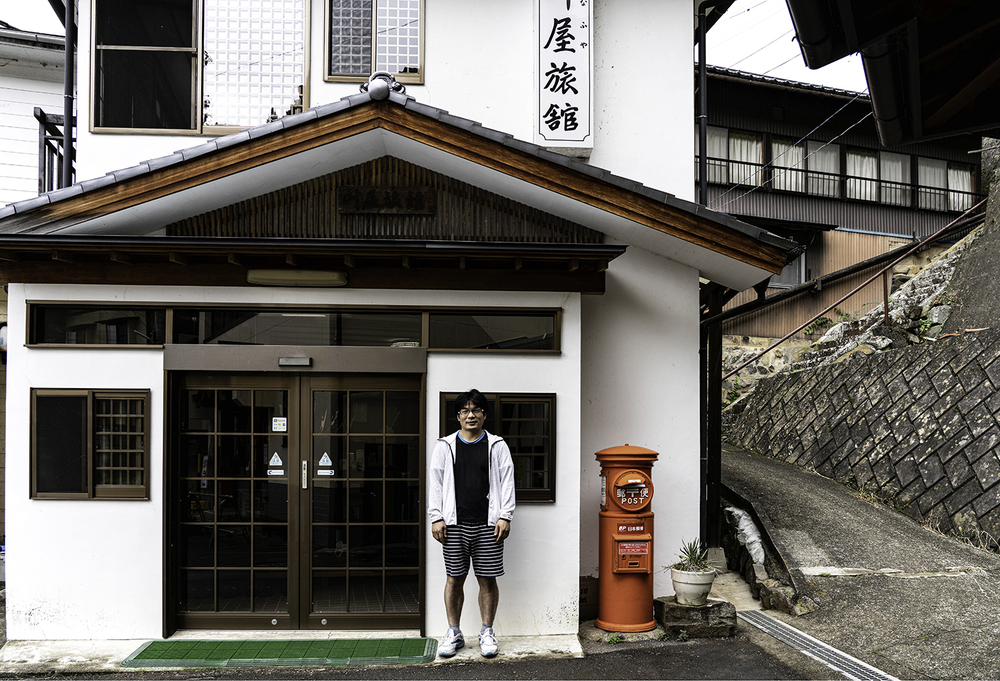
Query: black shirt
[(472, 480)]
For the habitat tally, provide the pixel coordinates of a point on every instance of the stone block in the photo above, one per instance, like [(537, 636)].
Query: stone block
[(931, 471), (715, 619), (958, 471), (962, 497), (987, 469)]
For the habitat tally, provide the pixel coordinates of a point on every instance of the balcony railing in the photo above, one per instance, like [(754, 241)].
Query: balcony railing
[(51, 156), (757, 176)]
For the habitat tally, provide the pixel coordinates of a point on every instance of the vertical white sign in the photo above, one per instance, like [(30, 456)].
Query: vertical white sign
[(564, 74)]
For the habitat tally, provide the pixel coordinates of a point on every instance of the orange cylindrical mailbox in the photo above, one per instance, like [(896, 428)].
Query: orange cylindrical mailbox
[(625, 598)]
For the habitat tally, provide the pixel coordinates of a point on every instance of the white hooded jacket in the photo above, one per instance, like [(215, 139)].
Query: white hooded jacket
[(441, 504)]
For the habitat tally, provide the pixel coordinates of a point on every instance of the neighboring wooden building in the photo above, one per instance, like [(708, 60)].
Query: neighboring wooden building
[(31, 75), (805, 161)]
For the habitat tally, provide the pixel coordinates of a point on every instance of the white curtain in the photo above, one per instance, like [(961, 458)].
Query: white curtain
[(862, 175), (788, 171), (718, 153), (932, 176), (745, 158), (823, 163), (895, 175), (960, 188)]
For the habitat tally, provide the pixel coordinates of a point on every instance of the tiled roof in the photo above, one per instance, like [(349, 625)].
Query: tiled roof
[(412, 105)]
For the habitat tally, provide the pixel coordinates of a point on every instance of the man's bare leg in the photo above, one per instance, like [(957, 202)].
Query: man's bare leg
[(489, 598), (454, 599)]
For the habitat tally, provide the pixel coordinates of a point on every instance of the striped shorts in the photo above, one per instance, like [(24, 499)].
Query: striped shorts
[(476, 542)]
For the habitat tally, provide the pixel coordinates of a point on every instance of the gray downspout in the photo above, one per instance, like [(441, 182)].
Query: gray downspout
[(702, 108), (69, 151)]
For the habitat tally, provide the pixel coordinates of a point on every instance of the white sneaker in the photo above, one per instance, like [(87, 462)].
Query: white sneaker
[(488, 643), (451, 643)]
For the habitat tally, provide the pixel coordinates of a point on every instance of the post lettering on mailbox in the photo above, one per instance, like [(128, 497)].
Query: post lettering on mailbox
[(564, 73)]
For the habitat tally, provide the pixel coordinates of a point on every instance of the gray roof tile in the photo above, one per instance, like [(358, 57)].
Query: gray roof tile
[(232, 140), (164, 161), (198, 150), (65, 192), (32, 203), (266, 129), (97, 183), (324, 110), (130, 172)]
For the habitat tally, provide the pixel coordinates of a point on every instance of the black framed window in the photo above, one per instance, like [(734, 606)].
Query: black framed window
[(191, 65), (96, 325), (89, 444), (527, 422)]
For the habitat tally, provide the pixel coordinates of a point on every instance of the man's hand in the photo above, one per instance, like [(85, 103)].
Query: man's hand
[(439, 530), (501, 530)]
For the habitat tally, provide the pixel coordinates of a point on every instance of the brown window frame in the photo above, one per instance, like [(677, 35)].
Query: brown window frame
[(449, 424), (93, 490)]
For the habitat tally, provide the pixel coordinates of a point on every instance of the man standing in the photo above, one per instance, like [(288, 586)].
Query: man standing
[(470, 505)]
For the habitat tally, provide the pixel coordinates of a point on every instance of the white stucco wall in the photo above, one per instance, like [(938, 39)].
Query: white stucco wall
[(479, 57), (93, 569), (79, 569), (640, 387)]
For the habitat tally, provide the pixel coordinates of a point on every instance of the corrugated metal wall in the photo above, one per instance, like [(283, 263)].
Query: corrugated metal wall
[(835, 250)]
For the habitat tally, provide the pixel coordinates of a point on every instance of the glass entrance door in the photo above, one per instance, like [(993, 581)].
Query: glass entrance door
[(298, 502)]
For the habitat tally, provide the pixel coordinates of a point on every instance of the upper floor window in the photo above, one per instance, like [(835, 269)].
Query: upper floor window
[(894, 173), (365, 36), (190, 65), (944, 186)]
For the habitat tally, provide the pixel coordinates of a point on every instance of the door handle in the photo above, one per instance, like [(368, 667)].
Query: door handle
[(305, 474)]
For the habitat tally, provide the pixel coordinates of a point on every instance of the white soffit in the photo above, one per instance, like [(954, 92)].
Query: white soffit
[(151, 216)]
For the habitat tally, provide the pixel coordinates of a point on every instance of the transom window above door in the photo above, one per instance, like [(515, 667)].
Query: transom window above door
[(197, 65)]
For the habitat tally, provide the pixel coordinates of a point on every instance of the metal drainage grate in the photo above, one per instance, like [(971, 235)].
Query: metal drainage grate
[(850, 667)]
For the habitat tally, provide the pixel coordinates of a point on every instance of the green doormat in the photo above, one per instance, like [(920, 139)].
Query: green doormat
[(285, 653)]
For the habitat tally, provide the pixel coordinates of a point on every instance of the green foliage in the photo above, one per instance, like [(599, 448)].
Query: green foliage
[(693, 557), (682, 635), (615, 638)]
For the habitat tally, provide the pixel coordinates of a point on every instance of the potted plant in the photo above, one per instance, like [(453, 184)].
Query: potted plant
[(692, 575)]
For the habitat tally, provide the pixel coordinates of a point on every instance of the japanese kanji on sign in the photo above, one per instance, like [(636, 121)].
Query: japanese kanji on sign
[(563, 76)]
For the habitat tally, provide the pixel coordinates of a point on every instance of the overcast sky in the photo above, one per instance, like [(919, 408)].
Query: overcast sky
[(754, 36)]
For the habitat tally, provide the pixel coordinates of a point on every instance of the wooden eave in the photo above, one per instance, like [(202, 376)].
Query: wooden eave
[(368, 264), (528, 167)]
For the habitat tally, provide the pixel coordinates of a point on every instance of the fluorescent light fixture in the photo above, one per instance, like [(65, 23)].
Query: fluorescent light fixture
[(295, 361), (317, 278)]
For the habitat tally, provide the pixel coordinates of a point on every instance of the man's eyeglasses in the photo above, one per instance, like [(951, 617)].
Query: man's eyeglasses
[(475, 412)]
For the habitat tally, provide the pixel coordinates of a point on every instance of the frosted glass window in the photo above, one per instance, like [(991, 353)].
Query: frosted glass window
[(274, 63), (374, 35)]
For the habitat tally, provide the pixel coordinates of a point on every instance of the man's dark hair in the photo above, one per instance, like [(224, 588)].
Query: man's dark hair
[(474, 396)]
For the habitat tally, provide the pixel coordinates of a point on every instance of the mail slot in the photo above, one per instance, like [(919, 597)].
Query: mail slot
[(625, 599)]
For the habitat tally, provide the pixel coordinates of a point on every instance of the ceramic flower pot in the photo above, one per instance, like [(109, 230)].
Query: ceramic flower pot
[(692, 588)]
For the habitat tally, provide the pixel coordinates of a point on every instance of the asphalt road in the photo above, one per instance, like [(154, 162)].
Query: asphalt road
[(748, 655)]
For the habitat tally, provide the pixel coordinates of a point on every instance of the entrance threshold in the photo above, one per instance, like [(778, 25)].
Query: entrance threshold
[(286, 634)]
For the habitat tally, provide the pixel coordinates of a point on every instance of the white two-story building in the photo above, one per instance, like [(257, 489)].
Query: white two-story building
[(229, 363)]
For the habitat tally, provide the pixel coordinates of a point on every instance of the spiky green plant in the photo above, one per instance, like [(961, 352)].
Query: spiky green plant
[(693, 557)]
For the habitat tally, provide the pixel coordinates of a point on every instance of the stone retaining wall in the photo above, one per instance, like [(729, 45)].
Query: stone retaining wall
[(916, 426)]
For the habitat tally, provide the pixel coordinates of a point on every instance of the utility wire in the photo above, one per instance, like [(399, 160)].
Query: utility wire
[(760, 49), (815, 151), (801, 140)]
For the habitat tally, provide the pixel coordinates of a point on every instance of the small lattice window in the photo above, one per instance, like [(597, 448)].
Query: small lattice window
[(89, 444)]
